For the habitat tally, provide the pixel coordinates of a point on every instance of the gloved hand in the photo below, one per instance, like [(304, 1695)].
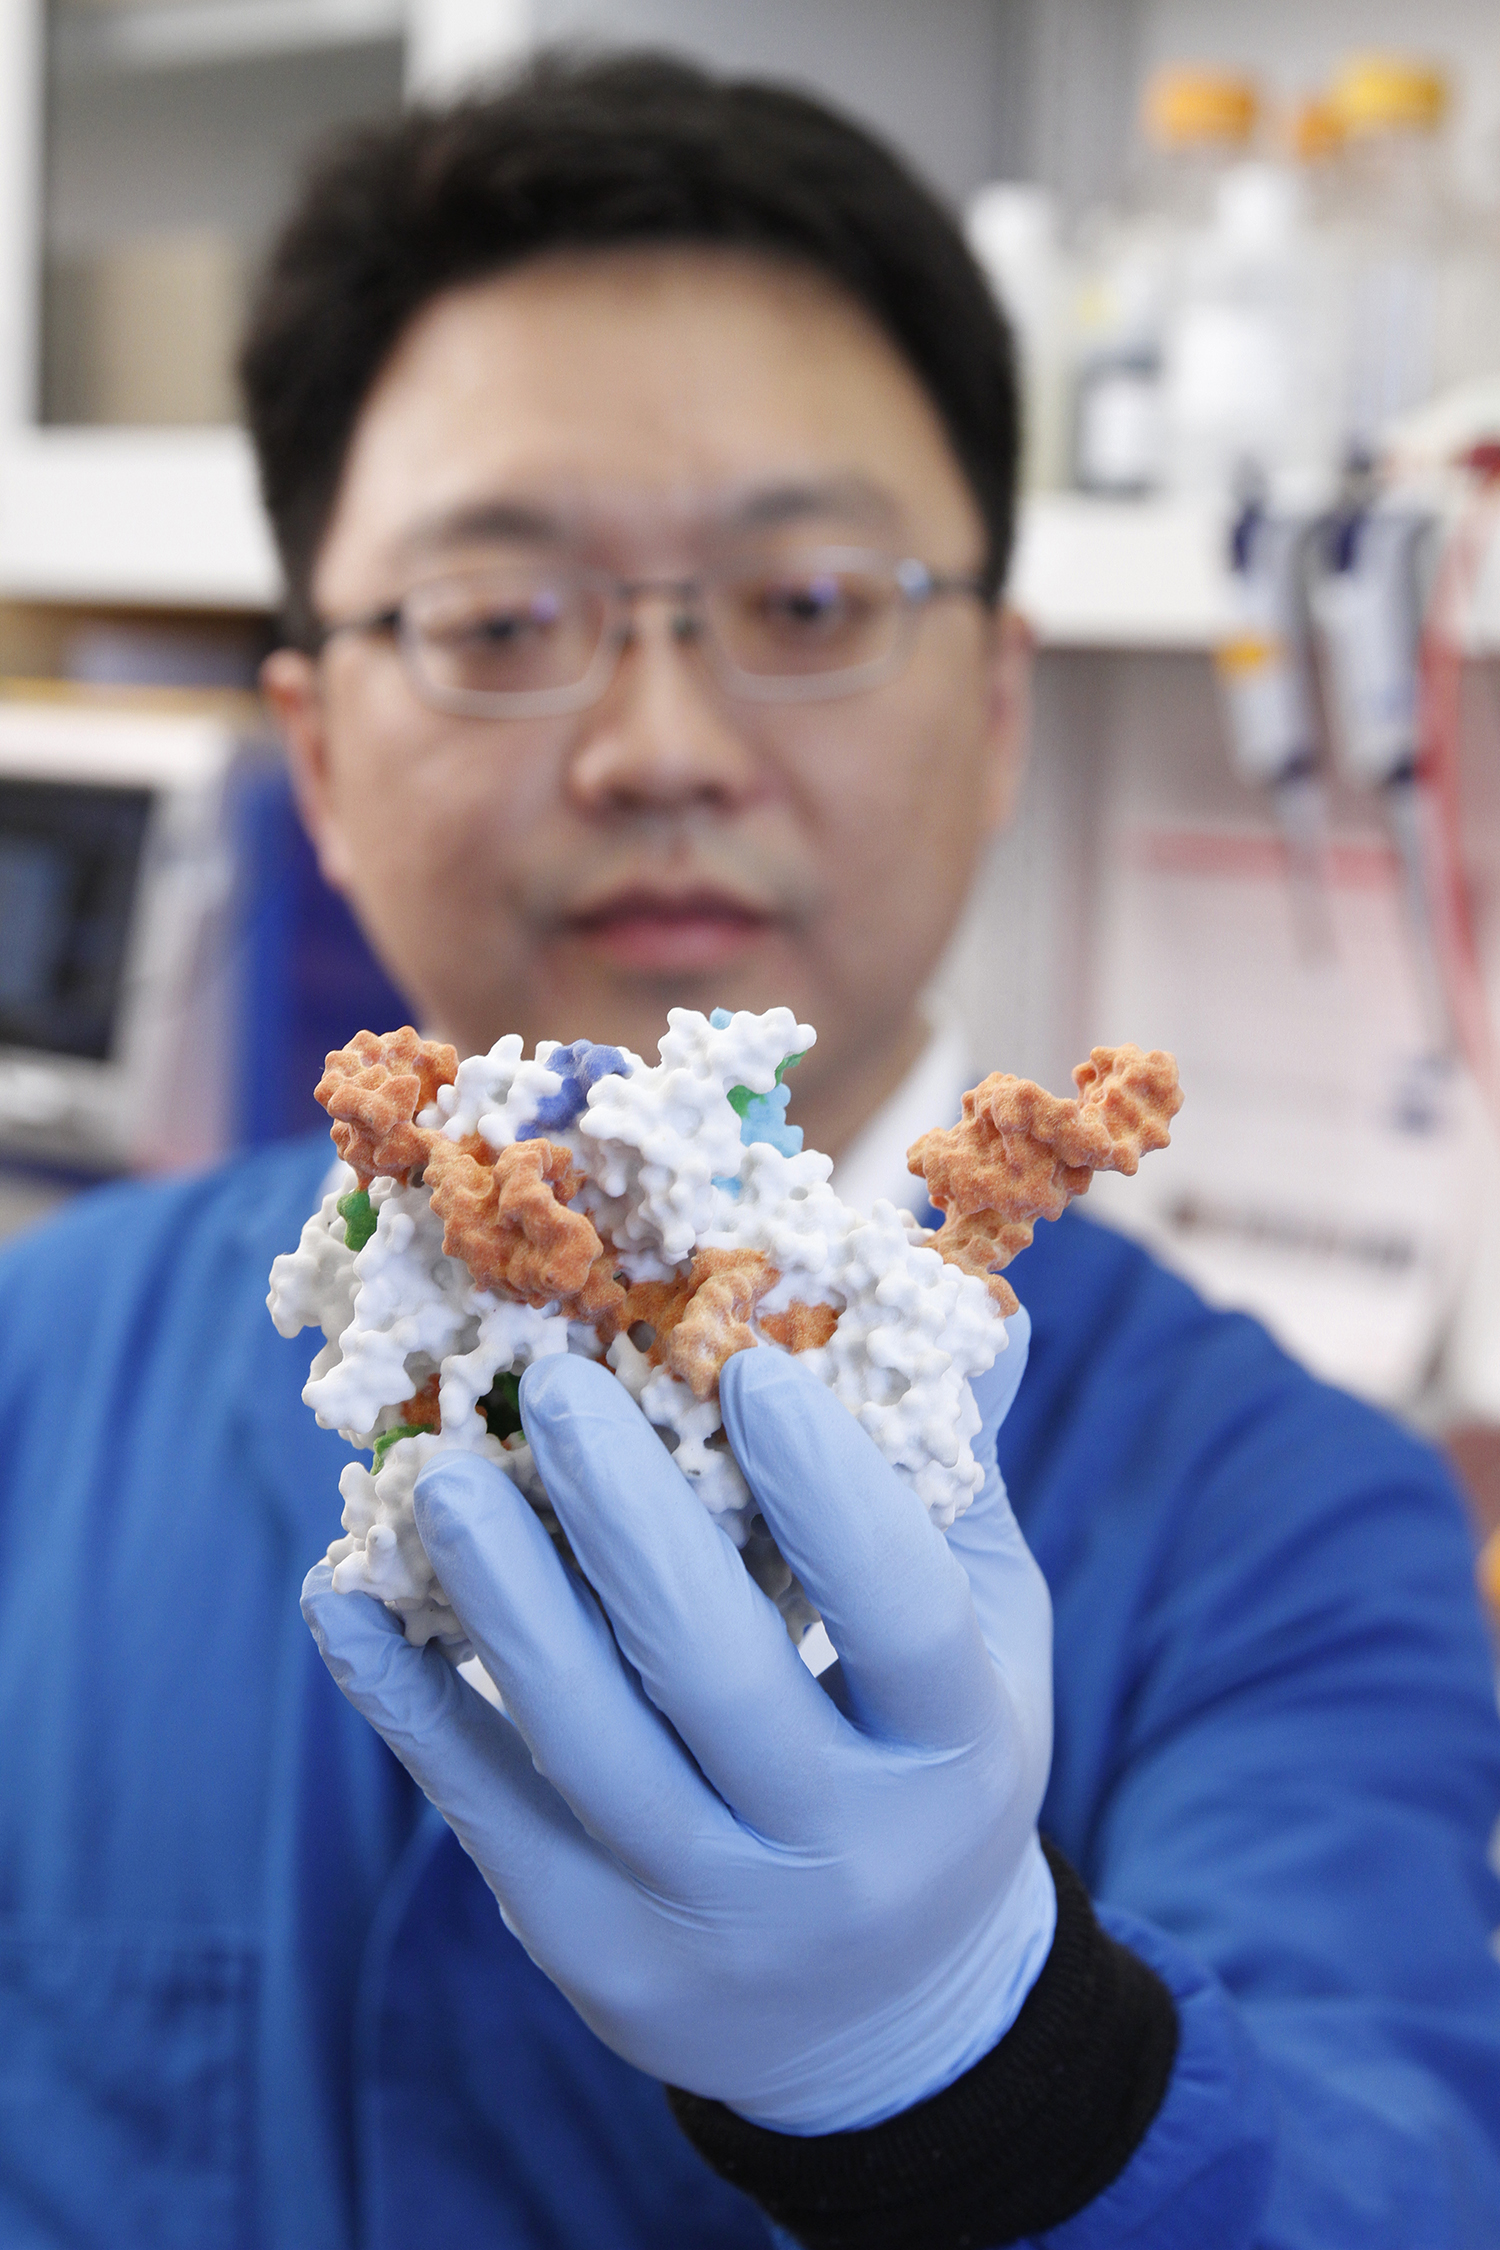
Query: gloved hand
[(819, 1900)]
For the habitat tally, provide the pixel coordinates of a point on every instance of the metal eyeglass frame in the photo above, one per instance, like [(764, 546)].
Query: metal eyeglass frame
[(916, 585)]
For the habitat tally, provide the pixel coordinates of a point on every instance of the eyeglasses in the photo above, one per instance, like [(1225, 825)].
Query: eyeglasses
[(529, 640)]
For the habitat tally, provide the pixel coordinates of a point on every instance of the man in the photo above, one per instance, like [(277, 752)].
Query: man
[(641, 451)]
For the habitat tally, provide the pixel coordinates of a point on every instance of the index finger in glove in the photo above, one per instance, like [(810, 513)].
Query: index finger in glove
[(895, 1602), (548, 1648), (460, 1751), (710, 1648), (556, 1888)]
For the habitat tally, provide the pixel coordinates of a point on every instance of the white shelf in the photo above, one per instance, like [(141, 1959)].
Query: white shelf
[(167, 518), (1138, 574), (172, 519), (1154, 574)]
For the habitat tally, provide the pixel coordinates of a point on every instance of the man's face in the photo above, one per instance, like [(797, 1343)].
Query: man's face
[(651, 414)]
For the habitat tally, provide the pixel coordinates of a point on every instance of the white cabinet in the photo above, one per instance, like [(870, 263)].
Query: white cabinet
[(147, 148)]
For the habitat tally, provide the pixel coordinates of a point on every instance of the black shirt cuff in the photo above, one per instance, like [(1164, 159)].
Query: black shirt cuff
[(1036, 2130)]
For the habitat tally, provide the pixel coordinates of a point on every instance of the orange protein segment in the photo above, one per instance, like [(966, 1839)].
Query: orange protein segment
[(702, 1318), (509, 1221), (422, 1411), (726, 1287), (801, 1328), (1020, 1154), (372, 1090)]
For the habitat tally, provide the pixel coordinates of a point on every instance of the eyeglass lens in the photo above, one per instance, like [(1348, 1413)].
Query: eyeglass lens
[(522, 630)]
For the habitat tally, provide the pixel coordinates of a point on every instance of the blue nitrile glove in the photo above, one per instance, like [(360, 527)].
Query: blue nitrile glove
[(818, 1900)]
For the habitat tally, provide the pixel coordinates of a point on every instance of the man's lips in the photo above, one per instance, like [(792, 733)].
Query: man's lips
[(685, 930)]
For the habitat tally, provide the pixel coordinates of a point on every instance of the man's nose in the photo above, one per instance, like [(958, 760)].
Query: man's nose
[(661, 738)]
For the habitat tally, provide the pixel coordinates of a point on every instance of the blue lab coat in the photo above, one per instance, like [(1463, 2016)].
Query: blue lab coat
[(252, 1992)]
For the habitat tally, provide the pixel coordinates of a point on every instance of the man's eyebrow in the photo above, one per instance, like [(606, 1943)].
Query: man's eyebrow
[(764, 508), (484, 519), (789, 503)]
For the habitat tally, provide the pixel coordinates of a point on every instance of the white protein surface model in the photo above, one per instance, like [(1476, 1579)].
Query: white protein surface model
[(674, 1218)]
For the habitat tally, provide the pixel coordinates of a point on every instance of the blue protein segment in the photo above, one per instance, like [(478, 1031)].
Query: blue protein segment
[(762, 1116), (580, 1066)]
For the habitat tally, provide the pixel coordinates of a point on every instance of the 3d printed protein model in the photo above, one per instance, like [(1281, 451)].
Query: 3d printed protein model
[(660, 1219)]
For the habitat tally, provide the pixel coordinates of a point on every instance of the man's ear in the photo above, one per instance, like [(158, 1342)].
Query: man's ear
[(290, 684), (1008, 713)]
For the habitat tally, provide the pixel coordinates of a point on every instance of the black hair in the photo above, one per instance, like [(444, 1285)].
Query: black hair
[(594, 153)]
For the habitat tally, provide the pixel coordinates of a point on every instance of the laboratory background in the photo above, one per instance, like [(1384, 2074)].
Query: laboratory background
[(1252, 261)]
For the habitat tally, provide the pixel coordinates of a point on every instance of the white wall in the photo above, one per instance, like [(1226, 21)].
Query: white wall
[(928, 75), (973, 90)]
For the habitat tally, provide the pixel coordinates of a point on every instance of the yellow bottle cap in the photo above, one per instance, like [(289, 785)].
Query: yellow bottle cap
[(1247, 656), (1316, 130), (1184, 108), (1376, 93)]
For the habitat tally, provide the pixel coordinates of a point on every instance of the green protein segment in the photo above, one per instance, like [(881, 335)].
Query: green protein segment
[(359, 1218)]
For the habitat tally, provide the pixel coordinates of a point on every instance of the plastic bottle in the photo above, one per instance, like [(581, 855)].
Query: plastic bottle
[(1252, 355), (1423, 314), (1195, 122), (1012, 228), (1314, 139)]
